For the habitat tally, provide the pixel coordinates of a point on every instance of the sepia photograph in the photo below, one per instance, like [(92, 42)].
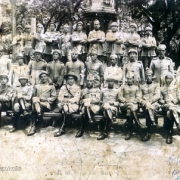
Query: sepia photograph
[(89, 89)]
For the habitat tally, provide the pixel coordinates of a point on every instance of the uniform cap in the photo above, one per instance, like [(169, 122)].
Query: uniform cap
[(28, 27), (114, 24), (94, 51), (133, 24), (169, 74), (43, 72), (161, 47), (70, 74), (148, 29), (132, 50), (19, 27), (80, 22), (38, 51), (57, 51), (39, 25), (4, 75), (113, 55), (23, 77), (19, 55)]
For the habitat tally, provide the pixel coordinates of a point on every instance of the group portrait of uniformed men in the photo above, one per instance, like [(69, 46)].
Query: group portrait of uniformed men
[(95, 75)]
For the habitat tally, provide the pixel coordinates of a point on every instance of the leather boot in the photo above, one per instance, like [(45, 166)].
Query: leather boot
[(84, 122), (32, 131), (104, 133), (147, 137), (15, 120), (137, 120), (169, 138), (62, 129)]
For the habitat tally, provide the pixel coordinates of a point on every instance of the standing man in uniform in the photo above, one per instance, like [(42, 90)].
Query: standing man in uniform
[(148, 98), (114, 38), (113, 71), (95, 67), (89, 103), (134, 67), (55, 69), (96, 38), (128, 95), (79, 40), (43, 99), (51, 39), (148, 44), (76, 66), (5, 63), (21, 101), (132, 40), (161, 65), (110, 105), (38, 38), (36, 66), (28, 49), (18, 40), (68, 98), (18, 70), (65, 44)]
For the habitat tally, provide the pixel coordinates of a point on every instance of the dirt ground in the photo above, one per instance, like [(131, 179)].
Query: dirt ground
[(44, 157)]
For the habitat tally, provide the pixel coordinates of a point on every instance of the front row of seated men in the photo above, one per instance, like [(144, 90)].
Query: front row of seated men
[(93, 101)]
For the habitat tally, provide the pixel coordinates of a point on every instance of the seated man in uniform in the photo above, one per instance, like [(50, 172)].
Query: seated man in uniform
[(21, 100), (6, 93), (148, 97), (90, 103), (43, 99), (110, 105), (128, 95), (68, 98), (170, 105)]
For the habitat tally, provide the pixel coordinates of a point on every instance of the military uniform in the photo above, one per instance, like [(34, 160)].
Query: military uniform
[(51, 39), (136, 68), (92, 39), (115, 41), (34, 68), (55, 70), (79, 40), (65, 45), (76, 67), (132, 41), (24, 92), (90, 97), (97, 70), (113, 72), (161, 67), (70, 96), (149, 96), (16, 72), (45, 95), (6, 94), (5, 64), (18, 43), (110, 100), (128, 97), (38, 41)]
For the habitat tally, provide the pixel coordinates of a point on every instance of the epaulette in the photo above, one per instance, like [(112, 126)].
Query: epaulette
[(168, 58)]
